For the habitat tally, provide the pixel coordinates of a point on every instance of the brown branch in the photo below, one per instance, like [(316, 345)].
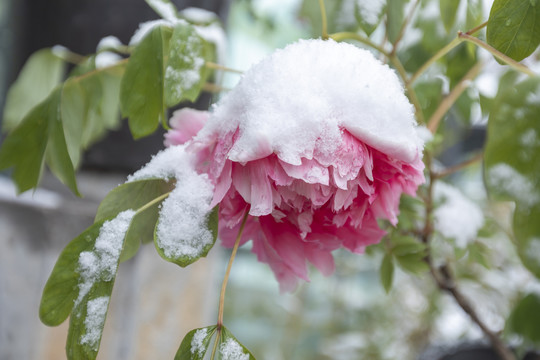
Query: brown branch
[(452, 97), (444, 279), (458, 167), (446, 282)]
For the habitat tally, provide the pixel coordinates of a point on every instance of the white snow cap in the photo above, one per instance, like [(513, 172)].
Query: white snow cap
[(312, 90)]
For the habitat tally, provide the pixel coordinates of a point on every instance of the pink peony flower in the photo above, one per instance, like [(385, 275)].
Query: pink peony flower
[(185, 124), (317, 142)]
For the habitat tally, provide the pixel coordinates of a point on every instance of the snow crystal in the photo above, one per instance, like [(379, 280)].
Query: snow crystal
[(231, 350), (94, 321), (308, 90), (457, 217), (164, 8), (109, 42), (198, 15), (182, 229), (370, 10), (106, 59), (100, 264), (516, 185), (197, 345)]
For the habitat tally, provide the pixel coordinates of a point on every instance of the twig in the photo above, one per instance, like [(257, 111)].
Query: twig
[(439, 54), (215, 66), (214, 88), (446, 282), (224, 284), (499, 55), (340, 36), (475, 29), (458, 167), (449, 100), (324, 20), (404, 26)]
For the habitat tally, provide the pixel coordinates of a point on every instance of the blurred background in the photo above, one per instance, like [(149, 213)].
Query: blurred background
[(346, 316)]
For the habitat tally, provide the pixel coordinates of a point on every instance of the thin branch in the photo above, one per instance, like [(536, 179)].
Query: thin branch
[(225, 281), (449, 100), (340, 36), (499, 55), (475, 29), (446, 282), (442, 52), (214, 88), (215, 66), (404, 26), (458, 167), (324, 20)]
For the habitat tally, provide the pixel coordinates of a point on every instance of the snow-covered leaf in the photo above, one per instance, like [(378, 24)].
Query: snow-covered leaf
[(164, 8), (185, 73), (231, 349), (195, 344), (39, 76), (184, 233), (81, 284), (147, 193)]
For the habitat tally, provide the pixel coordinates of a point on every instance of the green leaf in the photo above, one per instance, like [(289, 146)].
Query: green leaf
[(429, 92), (61, 289), (479, 253), (195, 349), (405, 245), (39, 76), (164, 8), (448, 9), (40, 134), (395, 17), (185, 260), (512, 160), (413, 262), (141, 90), (229, 345), (185, 73), (147, 194), (57, 154), (387, 272), (24, 148), (525, 318), (514, 27)]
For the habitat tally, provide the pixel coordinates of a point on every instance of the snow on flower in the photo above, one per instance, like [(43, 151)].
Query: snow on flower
[(317, 142)]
